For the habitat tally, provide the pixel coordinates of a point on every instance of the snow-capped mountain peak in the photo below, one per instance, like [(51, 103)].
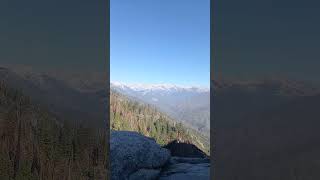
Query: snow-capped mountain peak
[(157, 87), (188, 104)]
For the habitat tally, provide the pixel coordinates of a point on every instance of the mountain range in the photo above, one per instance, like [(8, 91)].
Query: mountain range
[(267, 127), (187, 104), (79, 103), (130, 115)]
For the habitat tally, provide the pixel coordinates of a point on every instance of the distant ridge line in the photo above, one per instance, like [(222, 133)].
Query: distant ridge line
[(158, 86)]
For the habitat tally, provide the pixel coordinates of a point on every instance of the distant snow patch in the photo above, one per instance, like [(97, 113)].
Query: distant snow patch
[(169, 88)]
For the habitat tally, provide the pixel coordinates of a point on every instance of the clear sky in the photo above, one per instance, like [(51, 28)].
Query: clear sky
[(160, 41)]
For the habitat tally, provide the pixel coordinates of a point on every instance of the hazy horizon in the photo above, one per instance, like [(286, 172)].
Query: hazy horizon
[(159, 84)]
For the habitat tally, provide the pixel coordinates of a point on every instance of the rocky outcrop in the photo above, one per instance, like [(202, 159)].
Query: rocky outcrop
[(134, 156), (145, 174), (180, 168), (184, 149)]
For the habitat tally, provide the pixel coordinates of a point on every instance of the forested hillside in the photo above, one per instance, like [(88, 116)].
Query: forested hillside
[(187, 104), (131, 115), (36, 144)]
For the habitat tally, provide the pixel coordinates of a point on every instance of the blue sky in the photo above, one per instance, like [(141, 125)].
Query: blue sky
[(160, 41)]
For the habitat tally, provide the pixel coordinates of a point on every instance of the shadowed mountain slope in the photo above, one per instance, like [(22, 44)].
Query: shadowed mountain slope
[(127, 114), (189, 105)]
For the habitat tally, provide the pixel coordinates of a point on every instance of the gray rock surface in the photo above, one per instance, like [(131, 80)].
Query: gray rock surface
[(186, 169), (133, 155), (189, 160), (147, 174)]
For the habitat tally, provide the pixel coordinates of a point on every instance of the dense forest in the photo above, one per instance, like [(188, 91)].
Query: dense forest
[(36, 144), (127, 114)]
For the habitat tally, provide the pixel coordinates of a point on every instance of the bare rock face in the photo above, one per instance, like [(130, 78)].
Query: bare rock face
[(184, 149), (137, 157), (134, 156), (187, 162), (186, 168), (145, 174)]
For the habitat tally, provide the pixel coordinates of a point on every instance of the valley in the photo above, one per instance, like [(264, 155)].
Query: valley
[(130, 115), (187, 104)]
